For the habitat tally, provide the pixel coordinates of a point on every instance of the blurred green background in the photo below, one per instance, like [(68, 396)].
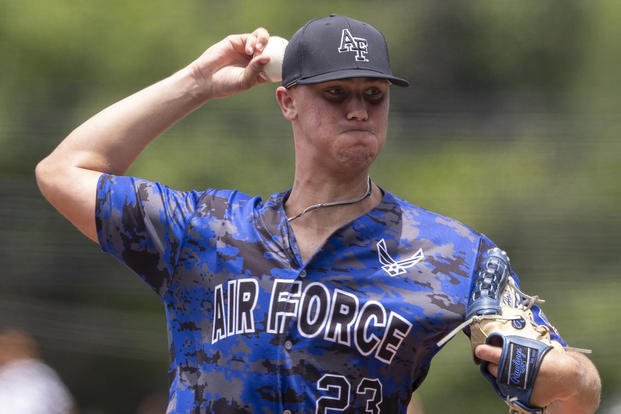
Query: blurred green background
[(512, 125)]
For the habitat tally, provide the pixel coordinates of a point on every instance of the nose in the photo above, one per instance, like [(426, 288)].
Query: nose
[(357, 108)]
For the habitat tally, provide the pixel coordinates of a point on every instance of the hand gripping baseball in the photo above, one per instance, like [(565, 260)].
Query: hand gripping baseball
[(232, 65)]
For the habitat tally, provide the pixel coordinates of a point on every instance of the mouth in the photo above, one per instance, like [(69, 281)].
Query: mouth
[(359, 130)]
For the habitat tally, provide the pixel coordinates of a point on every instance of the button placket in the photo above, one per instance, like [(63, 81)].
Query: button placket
[(289, 329)]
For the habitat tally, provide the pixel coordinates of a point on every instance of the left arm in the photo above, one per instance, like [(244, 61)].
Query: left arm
[(567, 383)]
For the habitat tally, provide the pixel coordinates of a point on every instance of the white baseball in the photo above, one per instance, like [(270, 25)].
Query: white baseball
[(275, 49)]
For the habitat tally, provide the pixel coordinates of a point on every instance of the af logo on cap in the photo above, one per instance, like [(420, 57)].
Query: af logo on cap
[(314, 54), (357, 45)]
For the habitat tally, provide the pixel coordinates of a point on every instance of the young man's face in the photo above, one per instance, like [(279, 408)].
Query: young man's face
[(343, 123)]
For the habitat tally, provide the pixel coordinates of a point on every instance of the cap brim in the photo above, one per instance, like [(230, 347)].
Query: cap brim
[(349, 73)]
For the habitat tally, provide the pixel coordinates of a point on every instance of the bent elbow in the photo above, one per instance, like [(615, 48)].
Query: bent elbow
[(43, 174)]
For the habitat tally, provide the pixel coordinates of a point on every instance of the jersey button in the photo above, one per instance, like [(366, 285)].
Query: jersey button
[(288, 345), (303, 274)]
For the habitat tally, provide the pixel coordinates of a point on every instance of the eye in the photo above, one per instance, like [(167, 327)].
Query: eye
[(373, 94), (335, 93)]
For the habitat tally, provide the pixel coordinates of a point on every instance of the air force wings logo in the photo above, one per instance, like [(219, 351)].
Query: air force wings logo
[(358, 45), (396, 267)]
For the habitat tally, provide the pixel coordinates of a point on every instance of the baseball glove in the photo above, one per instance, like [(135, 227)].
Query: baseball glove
[(499, 313)]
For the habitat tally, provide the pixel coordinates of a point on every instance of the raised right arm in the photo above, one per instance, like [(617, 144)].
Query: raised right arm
[(112, 139)]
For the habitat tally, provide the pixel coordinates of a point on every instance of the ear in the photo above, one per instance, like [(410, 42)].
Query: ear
[(287, 103)]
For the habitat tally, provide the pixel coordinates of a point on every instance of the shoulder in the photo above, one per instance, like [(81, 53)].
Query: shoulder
[(227, 203), (429, 224), (131, 188)]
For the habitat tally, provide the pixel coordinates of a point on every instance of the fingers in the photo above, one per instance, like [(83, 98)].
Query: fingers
[(232, 65), (254, 45), (255, 42), (492, 369), (491, 355), (488, 353)]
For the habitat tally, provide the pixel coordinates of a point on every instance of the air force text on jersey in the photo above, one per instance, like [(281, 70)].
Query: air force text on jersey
[(334, 315)]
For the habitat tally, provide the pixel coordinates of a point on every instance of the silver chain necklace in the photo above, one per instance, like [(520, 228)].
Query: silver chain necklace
[(366, 194)]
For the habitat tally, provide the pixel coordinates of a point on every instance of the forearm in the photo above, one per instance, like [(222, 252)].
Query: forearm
[(112, 139), (108, 143)]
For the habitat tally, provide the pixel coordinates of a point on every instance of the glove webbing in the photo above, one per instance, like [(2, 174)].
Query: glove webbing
[(527, 303)]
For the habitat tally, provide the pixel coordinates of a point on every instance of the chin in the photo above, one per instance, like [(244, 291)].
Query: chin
[(356, 158)]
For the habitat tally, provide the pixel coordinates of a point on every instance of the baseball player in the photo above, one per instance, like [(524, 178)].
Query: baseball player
[(330, 297)]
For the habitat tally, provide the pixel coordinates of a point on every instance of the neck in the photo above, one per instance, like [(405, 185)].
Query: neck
[(327, 203)]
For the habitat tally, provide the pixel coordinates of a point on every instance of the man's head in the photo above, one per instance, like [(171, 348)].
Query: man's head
[(336, 47), (335, 92), (16, 344)]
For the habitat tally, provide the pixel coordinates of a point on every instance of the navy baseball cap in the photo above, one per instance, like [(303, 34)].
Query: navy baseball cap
[(336, 47)]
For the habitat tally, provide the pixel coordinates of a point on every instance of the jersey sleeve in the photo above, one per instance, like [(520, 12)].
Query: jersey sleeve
[(143, 224), (538, 314)]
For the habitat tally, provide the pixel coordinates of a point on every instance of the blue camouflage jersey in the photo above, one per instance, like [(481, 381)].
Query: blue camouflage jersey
[(252, 329)]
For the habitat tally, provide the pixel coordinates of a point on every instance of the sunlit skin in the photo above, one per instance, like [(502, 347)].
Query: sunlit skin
[(339, 126)]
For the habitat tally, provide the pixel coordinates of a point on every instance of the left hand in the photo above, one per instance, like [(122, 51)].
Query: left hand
[(556, 380)]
